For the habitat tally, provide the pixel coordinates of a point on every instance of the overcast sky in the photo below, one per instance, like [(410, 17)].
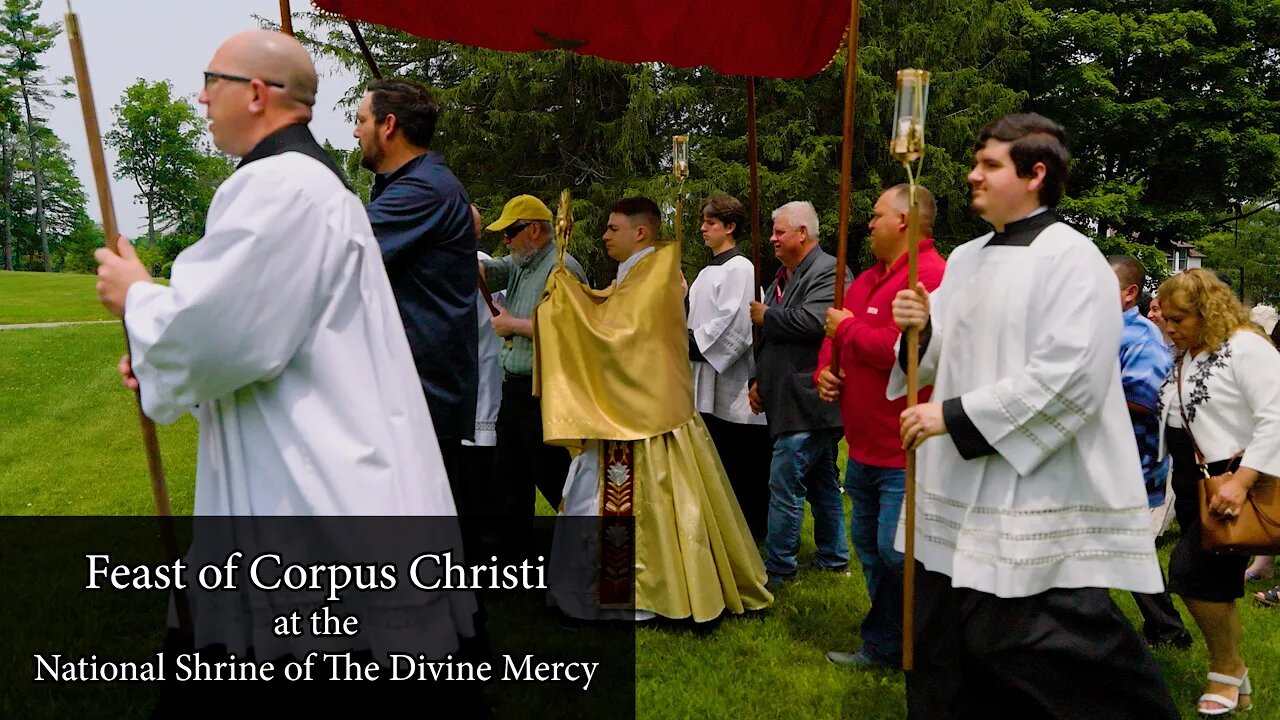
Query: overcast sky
[(162, 40)]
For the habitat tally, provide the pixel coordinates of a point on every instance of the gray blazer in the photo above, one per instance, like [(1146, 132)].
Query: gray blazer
[(787, 357)]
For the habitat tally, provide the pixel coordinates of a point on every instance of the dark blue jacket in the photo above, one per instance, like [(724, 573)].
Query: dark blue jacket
[(421, 216)]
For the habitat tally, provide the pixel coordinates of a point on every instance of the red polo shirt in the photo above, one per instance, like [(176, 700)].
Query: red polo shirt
[(867, 342)]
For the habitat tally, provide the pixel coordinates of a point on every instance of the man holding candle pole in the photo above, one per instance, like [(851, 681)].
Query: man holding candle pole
[(1024, 517)]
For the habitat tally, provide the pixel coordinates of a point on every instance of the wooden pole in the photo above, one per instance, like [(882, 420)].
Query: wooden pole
[(913, 397), (846, 171), (754, 161), (680, 217), (286, 18), (110, 230), (364, 50)]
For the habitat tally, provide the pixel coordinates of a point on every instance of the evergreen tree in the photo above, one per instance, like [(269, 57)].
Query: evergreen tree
[(23, 39)]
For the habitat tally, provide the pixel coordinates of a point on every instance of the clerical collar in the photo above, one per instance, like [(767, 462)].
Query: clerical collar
[(725, 256), (292, 138), (1022, 233), (625, 266)]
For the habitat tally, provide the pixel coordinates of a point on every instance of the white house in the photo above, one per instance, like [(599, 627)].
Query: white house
[(1182, 256)]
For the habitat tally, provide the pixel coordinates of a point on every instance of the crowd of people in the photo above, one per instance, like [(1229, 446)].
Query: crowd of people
[(343, 360)]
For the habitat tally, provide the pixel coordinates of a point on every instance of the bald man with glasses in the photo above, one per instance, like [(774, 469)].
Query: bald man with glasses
[(279, 332)]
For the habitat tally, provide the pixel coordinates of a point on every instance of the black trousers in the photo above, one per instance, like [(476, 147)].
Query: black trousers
[(746, 452), (522, 461), (455, 464), (1160, 619), (1064, 653)]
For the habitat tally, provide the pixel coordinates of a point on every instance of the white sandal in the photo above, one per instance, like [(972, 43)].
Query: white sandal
[(1228, 705)]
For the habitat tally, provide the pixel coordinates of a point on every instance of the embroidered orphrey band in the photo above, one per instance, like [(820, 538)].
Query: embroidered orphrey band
[(617, 531)]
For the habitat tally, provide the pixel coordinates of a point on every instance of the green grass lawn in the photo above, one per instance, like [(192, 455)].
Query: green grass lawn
[(70, 446), (71, 443), (31, 297)]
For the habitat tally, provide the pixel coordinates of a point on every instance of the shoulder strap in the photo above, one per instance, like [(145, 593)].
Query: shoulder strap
[(1186, 424)]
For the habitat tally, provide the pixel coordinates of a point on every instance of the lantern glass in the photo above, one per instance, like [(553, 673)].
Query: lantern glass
[(680, 156), (909, 115)]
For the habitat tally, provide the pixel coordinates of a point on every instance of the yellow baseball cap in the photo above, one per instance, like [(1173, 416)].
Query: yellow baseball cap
[(521, 207)]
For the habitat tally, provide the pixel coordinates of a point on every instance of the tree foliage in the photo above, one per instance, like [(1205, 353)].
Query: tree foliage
[(1173, 112), (539, 123), (1248, 251), (23, 40), (159, 142), (1174, 108)]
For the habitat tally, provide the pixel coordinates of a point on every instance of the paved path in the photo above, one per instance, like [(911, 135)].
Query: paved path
[(29, 326)]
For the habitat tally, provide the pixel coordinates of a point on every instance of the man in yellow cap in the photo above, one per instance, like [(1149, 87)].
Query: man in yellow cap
[(523, 461)]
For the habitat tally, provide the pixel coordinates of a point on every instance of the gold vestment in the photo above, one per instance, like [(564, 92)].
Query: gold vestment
[(613, 365)]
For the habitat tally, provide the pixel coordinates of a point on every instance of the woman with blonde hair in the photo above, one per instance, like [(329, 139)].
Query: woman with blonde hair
[(1223, 398)]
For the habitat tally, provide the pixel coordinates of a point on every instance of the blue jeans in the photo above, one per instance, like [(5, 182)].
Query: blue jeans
[(876, 493), (804, 467)]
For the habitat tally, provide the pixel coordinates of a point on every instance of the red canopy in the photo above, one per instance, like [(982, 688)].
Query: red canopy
[(766, 38)]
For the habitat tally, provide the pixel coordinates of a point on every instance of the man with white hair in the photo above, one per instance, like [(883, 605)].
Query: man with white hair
[(806, 431)]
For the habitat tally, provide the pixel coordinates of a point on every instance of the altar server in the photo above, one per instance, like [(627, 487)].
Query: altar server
[(1030, 499)]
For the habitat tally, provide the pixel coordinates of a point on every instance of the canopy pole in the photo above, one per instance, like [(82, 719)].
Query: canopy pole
[(111, 232), (364, 49), (286, 18), (754, 161), (846, 171)]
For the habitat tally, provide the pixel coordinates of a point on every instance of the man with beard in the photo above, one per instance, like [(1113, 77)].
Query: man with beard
[(422, 218), (523, 462)]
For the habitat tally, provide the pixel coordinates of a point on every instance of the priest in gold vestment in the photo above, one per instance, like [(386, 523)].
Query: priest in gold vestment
[(613, 373)]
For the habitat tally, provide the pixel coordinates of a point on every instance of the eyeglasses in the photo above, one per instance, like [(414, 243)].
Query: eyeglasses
[(516, 229), (209, 77)]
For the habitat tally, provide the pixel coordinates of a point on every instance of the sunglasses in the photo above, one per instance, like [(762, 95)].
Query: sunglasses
[(516, 229), (209, 77)]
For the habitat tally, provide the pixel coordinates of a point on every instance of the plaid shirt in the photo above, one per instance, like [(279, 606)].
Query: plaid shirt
[(523, 283), (1145, 361)]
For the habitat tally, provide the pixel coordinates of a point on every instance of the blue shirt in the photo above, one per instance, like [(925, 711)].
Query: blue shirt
[(1145, 361), (421, 216)]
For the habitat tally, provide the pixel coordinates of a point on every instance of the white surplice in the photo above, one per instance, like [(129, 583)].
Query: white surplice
[(280, 334), (1029, 338), (720, 320)]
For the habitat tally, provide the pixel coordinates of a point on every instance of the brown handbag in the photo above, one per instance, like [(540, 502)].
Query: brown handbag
[(1256, 530)]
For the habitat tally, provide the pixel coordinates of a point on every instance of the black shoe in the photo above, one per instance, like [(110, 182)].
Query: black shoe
[(1180, 640), (834, 570), (858, 659), (776, 582)]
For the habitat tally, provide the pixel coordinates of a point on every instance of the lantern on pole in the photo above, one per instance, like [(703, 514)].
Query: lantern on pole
[(680, 169), (907, 147)]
